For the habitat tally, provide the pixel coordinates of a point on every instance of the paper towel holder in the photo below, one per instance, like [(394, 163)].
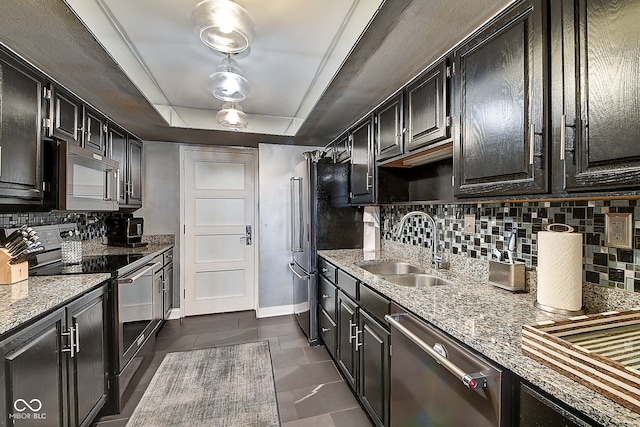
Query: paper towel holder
[(565, 229), (559, 310)]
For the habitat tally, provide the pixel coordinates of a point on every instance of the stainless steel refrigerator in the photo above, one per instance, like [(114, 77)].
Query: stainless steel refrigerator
[(320, 219)]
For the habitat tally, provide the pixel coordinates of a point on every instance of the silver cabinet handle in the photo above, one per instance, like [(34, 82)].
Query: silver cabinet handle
[(72, 345), (532, 142), (354, 336), (77, 338), (563, 135), (326, 296), (359, 343), (470, 380), (325, 329), (325, 270)]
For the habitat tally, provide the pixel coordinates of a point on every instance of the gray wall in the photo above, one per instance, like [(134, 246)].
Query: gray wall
[(276, 164), (161, 197)]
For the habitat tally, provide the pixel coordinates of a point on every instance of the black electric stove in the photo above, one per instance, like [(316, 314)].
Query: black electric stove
[(90, 264)]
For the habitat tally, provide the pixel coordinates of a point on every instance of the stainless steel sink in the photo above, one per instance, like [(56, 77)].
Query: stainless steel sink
[(417, 280), (392, 268)]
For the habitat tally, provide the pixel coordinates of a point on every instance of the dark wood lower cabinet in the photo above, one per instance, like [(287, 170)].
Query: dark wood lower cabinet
[(347, 327), (373, 353), (537, 410), (34, 374), (54, 370), (88, 379), (362, 355)]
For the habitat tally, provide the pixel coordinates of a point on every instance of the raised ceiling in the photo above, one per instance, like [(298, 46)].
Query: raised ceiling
[(141, 63)]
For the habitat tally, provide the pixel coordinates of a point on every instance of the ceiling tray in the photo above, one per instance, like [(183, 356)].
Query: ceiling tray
[(601, 351)]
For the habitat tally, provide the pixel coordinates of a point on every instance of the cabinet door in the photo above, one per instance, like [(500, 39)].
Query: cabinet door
[(65, 114), (20, 132), (535, 410), (88, 366), (373, 352), (347, 328), (500, 140), (168, 290), (34, 374), (427, 111), (134, 163), (118, 152), (341, 149), (94, 132), (362, 163), (389, 129), (599, 135)]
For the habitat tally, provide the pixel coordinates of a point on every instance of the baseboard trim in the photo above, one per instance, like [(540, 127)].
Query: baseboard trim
[(175, 313), (274, 311)]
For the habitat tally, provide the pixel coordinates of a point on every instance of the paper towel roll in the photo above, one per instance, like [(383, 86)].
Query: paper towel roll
[(560, 270)]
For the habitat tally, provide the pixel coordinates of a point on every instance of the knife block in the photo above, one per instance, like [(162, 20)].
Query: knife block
[(12, 273)]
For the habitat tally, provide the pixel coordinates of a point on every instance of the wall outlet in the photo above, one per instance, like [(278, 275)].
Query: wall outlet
[(469, 224), (618, 230)]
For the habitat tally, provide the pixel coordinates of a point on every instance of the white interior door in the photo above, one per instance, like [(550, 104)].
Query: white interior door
[(219, 212)]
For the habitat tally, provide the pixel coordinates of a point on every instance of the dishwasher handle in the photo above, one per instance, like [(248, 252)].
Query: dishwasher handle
[(470, 380)]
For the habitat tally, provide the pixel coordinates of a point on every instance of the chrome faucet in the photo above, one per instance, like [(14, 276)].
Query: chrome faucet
[(436, 260)]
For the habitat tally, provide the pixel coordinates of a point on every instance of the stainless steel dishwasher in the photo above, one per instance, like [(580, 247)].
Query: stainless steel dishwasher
[(437, 382)]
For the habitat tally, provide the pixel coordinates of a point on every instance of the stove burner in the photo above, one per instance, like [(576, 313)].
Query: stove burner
[(90, 264)]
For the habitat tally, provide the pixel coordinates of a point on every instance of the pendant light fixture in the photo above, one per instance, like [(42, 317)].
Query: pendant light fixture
[(223, 25), (227, 83), (232, 116)]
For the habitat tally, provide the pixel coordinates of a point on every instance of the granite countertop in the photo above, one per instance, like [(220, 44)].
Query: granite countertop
[(23, 301), (489, 320), (156, 244), (30, 298)]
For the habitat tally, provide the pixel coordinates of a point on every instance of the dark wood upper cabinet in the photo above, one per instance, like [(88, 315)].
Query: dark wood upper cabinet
[(341, 149), (595, 65), (134, 163), (21, 113), (500, 140), (127, 151), (118, 152), (427, 110), (95, 131), (389, 128), (65, 115), (362, 173)]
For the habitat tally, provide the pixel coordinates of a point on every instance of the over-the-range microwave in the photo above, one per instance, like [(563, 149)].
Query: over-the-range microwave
[(77, 179)]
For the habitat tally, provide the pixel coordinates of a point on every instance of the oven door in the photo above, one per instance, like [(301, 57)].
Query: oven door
[(136, 317)]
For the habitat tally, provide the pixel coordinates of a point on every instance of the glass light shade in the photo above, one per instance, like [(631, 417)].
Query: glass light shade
[(231, 116), (227, 83), (223, 25)]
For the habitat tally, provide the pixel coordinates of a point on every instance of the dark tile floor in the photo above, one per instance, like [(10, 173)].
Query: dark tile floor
[(310, 390)]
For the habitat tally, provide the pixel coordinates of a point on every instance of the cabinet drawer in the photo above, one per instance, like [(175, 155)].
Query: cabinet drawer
[(327, 269), (327, 331), (327, 297), (374, 303), (348, 284), (167, 256)]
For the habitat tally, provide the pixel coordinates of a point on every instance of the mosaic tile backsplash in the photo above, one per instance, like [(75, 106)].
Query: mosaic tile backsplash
[(90, 225), (602, 265)]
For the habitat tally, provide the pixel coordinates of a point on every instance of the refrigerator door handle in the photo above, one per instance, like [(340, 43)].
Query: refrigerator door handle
[(299, 276), (297, 228)]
